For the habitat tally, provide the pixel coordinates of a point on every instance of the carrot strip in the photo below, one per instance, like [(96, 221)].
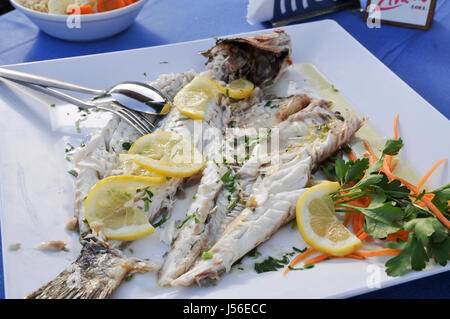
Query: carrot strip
[(393, 164), (362, 235), (396, 127), (430, 171), (346, 220), (352, 156), (354, 256), (436, 211), (373, 158), (354, 223), (317, 259), (297, 259), (385, 169), (380, 252)]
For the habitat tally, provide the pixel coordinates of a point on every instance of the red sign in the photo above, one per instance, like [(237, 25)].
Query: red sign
[(410, 13)]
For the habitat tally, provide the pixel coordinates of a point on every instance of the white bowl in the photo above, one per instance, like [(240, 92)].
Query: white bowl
[(84, 27)]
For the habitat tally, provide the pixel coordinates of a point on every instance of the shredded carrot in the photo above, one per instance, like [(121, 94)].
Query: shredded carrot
[(355, 223), (430, 171), (352, 156), (362, 235), (389, 157), (346, 220), (373, 158), (395, 238), (385, 169), (436, 211), (358, 223), (317, 259), (354, 256), (396, 127), (380, 252), (393, 164), (297, 259)]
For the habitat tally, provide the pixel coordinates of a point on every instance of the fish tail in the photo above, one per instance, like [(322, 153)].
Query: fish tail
[(95, 274)]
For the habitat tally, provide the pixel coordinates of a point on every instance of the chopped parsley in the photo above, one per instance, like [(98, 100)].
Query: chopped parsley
[(254, 253), (69, 148), (207, 255), (161, 221), (77, 126), (146, 205), (126, 145), (271, 264), (307, 266), (52, 105), (232, 205), (149, 193), (192, 216), (99, 97), (73, 173)]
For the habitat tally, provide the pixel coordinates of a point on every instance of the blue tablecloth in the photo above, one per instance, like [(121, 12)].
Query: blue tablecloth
[(420, 58)]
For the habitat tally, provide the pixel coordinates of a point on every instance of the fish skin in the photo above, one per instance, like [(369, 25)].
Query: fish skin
[(197, 235), (260, 59), (98, 270), (274, 195)]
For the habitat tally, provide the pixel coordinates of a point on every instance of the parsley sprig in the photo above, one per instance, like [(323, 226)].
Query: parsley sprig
[(393, 208)]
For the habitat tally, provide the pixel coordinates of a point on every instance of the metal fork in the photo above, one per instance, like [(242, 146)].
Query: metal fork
[(142, 123)]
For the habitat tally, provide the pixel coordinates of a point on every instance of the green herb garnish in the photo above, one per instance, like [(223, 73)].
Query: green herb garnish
[(271, 264), (307, 266), (207, 255), (161, 221), (73, 173), (393, 208), (126, 145), (192, 216)]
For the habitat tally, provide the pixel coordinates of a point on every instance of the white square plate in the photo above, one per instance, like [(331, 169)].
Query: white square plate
[(36, 193)]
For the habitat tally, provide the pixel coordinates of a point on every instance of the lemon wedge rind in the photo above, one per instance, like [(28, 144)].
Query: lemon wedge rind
[(319, 225)]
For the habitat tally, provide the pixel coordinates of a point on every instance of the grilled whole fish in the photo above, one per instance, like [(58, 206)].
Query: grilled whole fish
[(213, 214), (101, 265), (305, 139)]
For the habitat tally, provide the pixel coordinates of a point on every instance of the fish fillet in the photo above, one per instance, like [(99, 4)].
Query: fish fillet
[(305, 138), (211, 214)]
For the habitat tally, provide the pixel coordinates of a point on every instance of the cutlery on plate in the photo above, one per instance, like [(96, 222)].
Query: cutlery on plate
[(135, 96)]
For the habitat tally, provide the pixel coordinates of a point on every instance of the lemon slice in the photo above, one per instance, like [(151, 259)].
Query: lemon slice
[(238, 89), (106, 208), (167, 154), (129, 167), (192, 99), (318, 225)]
